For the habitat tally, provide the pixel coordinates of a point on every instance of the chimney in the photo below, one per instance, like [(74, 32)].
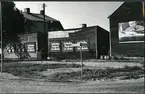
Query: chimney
[(42, 12), (84, 25), (27, 10)]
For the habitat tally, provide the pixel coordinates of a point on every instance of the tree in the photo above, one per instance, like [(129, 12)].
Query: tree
[(13, 25)]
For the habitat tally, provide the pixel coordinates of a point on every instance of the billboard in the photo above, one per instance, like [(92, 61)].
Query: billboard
[(58, 34), (131, 32), (30, 46), (55, 46), (84, 45), (67, 46)]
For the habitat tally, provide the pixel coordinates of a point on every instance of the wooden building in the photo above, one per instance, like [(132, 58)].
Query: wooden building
[(95, 42), (133, 44), (34, 38)]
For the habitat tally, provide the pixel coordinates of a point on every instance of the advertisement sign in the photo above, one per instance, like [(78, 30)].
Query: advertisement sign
[(84, 45), (67, 46), (130, 32), (31, 46), (58, 34), (55, 46), (76, 45)]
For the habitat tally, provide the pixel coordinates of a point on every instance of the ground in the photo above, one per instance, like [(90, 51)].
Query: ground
[(27, 86), (12, 84)]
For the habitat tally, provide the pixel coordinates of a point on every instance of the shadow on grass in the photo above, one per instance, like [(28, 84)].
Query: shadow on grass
[(30, 70), (98, 74)]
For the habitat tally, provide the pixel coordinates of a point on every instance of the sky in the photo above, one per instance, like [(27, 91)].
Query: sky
[(73, 14)]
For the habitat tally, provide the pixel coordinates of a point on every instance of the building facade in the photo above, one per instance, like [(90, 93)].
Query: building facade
[(35, 37), (127, 30), (94, 39)]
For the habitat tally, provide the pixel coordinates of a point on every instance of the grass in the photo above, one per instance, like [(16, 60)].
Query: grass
[(98, 74), (30, 70)]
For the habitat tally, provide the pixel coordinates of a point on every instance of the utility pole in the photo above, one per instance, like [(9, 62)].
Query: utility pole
[(143, 6), (143, 11), (110, 50), (1, 36), (81, 60), (44, 15)]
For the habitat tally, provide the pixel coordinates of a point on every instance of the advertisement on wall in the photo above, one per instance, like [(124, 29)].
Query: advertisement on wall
[(67, 46), (55, 46), (58, 34), (131, 32), (31, 47), (84, 45)]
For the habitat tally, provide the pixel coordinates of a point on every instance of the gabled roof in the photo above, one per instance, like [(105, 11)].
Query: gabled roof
[(38, 17), (46, 17), (31, 17), (127, 9), (115, 10), (85, 28)]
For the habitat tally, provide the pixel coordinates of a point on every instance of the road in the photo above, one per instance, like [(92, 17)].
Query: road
[(27, 86)]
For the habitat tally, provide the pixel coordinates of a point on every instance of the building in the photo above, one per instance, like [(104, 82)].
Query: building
[(34, 22), (34, 38), (127, 42), (94, 39)]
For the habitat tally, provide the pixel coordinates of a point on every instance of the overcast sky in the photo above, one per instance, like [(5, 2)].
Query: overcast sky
[(73, 14)]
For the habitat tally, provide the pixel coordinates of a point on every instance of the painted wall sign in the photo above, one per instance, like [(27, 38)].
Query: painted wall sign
[(31, 46), (67, 46), (58, 34), (131, 32), (55, 46), (84, 45)]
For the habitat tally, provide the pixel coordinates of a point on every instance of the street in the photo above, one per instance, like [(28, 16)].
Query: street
[(27, 86)]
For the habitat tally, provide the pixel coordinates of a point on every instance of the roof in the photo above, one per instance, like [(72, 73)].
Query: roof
[(116, 10), (85, 28), (38, 17), (46, 17), (31, 17), (133, 7)]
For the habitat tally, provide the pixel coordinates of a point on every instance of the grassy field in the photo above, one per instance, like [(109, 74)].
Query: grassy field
[(99, 74), (34, 71), (29, 70), (64, 81)]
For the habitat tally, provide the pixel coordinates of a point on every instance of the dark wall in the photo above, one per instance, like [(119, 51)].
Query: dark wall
[(43, 43), (87, 34), (103, 41), (127, 12)]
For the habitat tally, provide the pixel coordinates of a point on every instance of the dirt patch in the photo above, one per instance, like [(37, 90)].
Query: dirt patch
[(8, 76), (59, 70)]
